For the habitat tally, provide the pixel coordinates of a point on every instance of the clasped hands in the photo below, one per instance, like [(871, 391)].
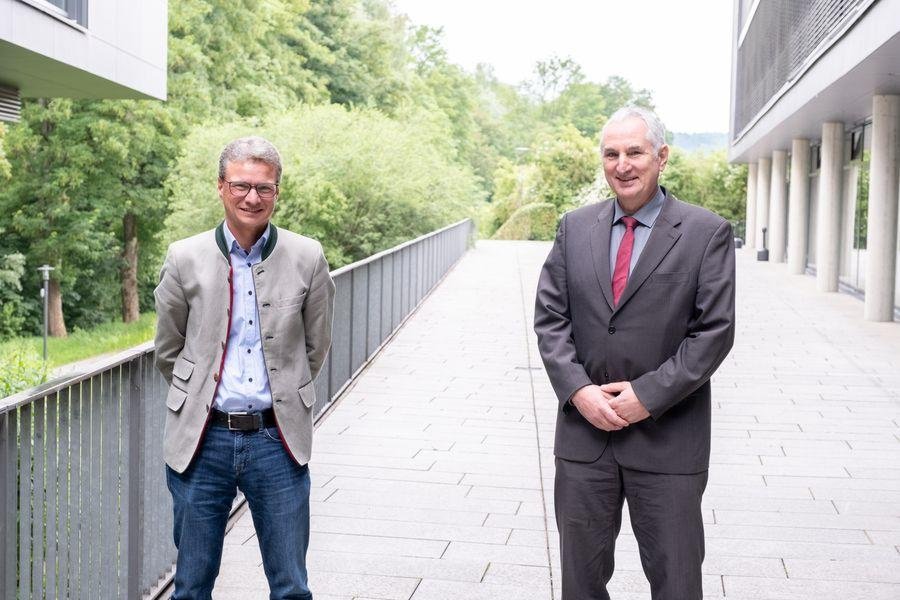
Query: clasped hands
[(611, 406)]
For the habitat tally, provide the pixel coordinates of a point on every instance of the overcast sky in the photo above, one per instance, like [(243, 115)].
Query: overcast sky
[(681, 50)]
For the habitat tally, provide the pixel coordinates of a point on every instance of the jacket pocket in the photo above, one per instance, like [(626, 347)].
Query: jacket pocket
[(175, 399), (674, 277), (291, 301), (307, 394), (183, 369)]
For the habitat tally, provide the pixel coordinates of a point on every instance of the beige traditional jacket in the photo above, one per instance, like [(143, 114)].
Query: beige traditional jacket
[(295, 298)]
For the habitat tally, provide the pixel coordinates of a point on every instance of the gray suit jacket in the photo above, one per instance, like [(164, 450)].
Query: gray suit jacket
[(295, 298), (673, 326)]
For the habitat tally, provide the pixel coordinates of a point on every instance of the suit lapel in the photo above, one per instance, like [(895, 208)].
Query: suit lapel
[(600, 249), (662, 237)]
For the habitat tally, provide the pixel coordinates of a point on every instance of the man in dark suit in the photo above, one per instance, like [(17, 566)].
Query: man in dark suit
[(634, 312)]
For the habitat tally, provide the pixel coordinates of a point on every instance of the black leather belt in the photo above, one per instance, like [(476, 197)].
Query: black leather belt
[(239, 421)]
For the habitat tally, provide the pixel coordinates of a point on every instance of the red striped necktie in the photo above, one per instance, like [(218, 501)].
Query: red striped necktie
[(623, 259)]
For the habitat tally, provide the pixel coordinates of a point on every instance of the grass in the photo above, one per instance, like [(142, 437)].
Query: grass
[(86, 343)]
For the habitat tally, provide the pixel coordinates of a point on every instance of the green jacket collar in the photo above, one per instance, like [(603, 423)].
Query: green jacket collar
[(266, 251)]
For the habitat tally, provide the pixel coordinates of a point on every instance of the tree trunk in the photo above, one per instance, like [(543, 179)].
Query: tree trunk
[(131, 309), (56, 323)]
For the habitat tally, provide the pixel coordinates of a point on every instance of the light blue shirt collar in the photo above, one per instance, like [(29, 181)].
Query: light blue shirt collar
[(648, 213), (232, 241)]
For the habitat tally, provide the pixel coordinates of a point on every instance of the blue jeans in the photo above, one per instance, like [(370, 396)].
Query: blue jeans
[(277, 491)]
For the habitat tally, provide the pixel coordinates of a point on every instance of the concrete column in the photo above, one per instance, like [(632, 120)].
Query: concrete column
[(778, 207), (763, 184), (798, 207), (828, 228), (884, 183), (750, 219)]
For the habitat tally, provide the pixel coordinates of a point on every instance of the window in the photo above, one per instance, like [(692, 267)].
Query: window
[(75, 10)]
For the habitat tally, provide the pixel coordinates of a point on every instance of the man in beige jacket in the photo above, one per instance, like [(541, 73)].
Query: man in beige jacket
[(244, 324)]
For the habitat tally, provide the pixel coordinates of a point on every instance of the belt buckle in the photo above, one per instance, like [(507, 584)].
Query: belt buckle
[(239, 414)]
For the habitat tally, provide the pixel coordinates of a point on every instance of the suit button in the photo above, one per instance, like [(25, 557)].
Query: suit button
[(605, 375), (207, 408), (611, 330), (215, 377), (223, 345)]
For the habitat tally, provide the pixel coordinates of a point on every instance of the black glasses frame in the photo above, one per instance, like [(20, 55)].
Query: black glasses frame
[(251, 186)]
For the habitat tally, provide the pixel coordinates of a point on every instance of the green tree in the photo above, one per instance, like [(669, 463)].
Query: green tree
[(442, 86), (365, 63), (243, 57), (566, 163), (552, 77), (50, 216), (12, 318), (707, 179)]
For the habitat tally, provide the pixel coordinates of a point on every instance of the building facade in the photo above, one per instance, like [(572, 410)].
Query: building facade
[(81, 49), (815, 113)]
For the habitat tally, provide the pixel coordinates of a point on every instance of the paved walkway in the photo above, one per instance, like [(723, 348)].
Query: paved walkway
[(433, 477)]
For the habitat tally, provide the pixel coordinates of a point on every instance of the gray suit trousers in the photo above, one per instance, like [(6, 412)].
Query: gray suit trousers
[(665, 516)]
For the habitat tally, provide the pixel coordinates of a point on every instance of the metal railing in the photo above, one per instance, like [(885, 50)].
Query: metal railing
[(84, 509)]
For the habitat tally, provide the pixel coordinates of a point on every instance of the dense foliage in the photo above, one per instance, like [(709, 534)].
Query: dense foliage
[(708, 180), (353, 179), (382, 136)]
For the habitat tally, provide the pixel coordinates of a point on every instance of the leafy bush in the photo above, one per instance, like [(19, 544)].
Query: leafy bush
[(707, 179), (514, 188), (356, 180), (12, 268), (20, 368), (4, 164), (533, 222), (566, 162), (564, 166)]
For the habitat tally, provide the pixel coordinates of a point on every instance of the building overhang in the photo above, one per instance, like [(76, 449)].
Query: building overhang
[(37, 76), (838, 87)]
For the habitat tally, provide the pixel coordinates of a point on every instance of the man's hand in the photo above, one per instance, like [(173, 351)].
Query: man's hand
[(624, 401), (594, 406)]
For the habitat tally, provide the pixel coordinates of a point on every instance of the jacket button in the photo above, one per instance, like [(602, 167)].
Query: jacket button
[(207, 408), (223, 345), (215, 377), (605, 375), (611, 330)]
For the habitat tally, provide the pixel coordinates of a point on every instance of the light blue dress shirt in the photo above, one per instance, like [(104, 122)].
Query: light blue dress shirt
[(646, 216), (244, 386)]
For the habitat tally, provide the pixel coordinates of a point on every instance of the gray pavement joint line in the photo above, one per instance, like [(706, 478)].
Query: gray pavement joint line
[(537, 432)]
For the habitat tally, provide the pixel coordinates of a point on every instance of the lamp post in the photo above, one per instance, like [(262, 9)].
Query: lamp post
[(45, 295)]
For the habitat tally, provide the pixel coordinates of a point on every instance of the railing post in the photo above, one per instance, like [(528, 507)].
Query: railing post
[(8, 536), (133, 444)]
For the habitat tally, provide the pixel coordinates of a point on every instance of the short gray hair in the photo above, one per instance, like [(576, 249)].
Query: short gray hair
[(252, 148), (656, 131)]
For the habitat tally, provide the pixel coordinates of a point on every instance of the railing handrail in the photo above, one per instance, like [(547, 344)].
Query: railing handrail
[(395, 249), (30, 395), (103, 364)]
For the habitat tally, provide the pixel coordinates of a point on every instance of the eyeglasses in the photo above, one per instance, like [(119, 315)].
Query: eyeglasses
[(240, 189)]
